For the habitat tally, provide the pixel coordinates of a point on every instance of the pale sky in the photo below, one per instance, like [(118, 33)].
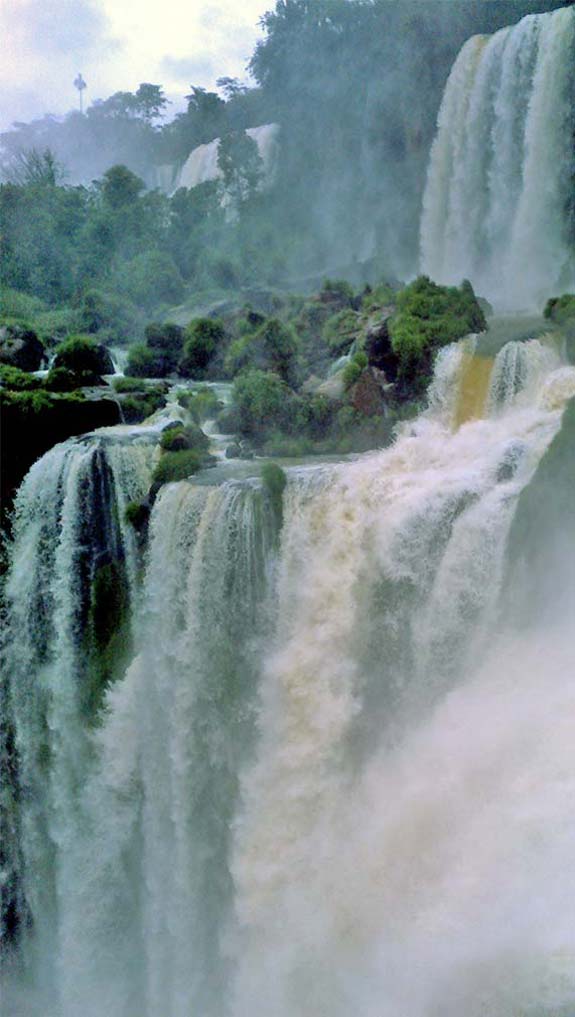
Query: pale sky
[(116, 44)]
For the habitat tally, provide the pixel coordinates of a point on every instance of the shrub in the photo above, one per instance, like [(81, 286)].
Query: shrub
[(560, 309), (177, 466), (337, 290), (272, 347), (145, 363), (129, 385), (167, 339), (203, 336), (136, 408), (262, 401), (428, 317), (201, 404), (352, 372), (137, 514)]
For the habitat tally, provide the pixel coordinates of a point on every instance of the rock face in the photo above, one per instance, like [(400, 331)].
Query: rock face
[(20, 347), (29, 428), (367, 395), (378, 343)]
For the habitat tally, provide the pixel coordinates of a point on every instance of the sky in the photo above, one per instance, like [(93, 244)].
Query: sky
[(116, 44)]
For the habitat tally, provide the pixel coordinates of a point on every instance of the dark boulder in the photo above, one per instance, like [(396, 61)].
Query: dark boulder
[(20, 347)]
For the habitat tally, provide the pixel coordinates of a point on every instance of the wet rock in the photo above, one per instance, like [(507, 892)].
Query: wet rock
[(20, 347)]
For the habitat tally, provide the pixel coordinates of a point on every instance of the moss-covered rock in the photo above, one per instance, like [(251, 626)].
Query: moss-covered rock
[(31, 422), (82, 356)]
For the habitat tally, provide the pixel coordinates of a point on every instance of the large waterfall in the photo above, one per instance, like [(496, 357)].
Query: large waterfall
[(337, 774), (499, 206)]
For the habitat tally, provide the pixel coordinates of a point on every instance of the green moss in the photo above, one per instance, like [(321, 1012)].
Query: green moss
[(17, 380), (137, 514), (130, 385), (177, 466)]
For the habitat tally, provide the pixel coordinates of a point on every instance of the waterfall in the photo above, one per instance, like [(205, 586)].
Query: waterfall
[(497, 207), (202, 162), (336, 774), (70, 590)]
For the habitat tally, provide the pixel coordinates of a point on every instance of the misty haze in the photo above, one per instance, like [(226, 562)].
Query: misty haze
[(287, 532)]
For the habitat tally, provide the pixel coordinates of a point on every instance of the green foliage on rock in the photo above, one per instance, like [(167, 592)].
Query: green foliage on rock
[(82, 356), (138, 407), (177, 466), (560, 309), (202, 338), (430, 316), (273, 347), (179, 438), (261, 400), (18, 380), (144, 362)]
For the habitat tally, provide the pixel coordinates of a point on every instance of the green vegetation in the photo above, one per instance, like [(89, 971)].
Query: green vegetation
[(137, 514), (202, 338), (17, 380), (202, 404), (274, 481), (84, 357), (430, 316), (179, 438), (561, 309), (177, 466), (138, 407)]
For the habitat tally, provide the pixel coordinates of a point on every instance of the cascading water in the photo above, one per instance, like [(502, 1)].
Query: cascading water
[(202, 162), (336, 776), (498, 206)]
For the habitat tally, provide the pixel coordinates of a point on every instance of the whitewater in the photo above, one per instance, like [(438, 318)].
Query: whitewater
[(498, 205), (337, 772)]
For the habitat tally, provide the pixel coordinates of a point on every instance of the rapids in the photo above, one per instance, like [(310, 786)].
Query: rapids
[(336, 775)]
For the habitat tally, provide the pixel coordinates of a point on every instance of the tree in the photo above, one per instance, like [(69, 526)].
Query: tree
[(32, 167), (121, 187), (241, 167), (150, 101)]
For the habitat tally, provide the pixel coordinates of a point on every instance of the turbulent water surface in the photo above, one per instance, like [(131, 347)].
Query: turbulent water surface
[(337, 773)]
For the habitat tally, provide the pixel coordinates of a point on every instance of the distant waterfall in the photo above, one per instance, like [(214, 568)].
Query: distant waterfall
[(202, 162), (499, 206), (337, 775)]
